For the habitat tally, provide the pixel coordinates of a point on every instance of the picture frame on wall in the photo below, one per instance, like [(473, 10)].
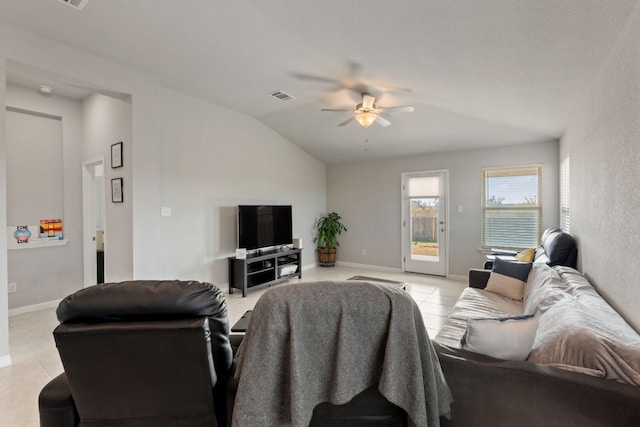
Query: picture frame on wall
[(117, 195), (116, 155)]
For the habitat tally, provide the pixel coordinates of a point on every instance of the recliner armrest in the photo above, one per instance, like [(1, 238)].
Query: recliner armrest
[(478, 278), (56, 405)]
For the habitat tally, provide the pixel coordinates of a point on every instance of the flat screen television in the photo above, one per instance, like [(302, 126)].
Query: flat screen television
[(261, 226)]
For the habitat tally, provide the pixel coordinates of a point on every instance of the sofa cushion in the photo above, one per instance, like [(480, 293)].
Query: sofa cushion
[(508, 338), (581, 332), (543, 289), (474, 303), (508, 278)]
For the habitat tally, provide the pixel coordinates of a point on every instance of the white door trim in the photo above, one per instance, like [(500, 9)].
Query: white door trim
[(403, 178)]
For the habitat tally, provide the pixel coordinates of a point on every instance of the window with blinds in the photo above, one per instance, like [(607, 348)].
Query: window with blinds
[(565, 195), (511, 207)]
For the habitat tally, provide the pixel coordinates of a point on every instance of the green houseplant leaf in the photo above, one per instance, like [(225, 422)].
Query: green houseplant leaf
[(328, 227)]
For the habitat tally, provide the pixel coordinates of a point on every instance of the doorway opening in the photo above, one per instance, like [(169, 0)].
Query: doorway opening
[(93, 218), (424, 224)]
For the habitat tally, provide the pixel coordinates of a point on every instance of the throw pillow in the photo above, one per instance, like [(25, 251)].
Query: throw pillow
[(508, 278), (509, 338), (527, 255)]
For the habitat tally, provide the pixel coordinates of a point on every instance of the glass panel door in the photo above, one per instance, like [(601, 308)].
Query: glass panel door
[(424, 223), (424, 227)]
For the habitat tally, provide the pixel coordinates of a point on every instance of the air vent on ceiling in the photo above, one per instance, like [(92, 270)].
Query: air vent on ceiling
[(282, 96), (78, 4)]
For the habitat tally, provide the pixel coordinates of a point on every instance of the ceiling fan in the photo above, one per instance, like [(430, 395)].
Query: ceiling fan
[(366, 112)]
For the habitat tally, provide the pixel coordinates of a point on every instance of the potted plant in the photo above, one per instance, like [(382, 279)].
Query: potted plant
[(328, 227)]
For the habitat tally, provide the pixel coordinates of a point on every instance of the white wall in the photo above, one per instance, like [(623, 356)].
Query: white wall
[(34, 167), (75, 68), (5, 359), (368, 197), (46, 274), (211, 159), (603, 144), (186, 154), (106, 121)]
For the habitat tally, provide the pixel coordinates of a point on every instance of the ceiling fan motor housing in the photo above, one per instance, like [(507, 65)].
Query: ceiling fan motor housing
[(366, 112)]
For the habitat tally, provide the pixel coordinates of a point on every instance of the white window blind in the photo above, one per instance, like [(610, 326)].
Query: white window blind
[(565, 195), (423, 186), (511, 207)]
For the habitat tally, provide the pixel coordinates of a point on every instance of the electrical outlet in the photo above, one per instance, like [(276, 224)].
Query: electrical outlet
[(13, 287), (364, 252)]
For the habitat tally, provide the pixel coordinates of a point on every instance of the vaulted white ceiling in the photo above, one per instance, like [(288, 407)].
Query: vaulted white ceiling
[(479, 72)]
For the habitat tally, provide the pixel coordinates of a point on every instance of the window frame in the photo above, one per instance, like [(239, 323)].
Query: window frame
[(565, 194), (511, 171)]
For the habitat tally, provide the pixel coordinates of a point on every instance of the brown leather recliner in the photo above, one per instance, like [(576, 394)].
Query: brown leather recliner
[(143, 353)]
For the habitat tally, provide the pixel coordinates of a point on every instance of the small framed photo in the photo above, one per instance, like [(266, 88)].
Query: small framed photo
[(116, 155), (117, 195)]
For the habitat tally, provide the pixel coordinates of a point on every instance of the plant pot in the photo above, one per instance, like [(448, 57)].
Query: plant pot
[(327, 257)]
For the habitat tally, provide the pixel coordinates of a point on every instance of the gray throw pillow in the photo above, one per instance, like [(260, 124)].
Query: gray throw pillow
[(508, 278)]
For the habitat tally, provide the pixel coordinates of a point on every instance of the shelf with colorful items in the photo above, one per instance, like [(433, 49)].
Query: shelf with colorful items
[(22, 236)]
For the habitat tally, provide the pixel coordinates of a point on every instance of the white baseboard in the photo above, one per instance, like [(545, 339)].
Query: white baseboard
[(369, 267), (34, 307), (5, 361), (457, 278), (309, 266)]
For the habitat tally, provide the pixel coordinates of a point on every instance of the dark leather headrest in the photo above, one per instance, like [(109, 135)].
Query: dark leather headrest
[(560, 247), (142, 299)]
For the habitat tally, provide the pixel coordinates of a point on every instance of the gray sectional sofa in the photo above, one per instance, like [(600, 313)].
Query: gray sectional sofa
[(583, 368)]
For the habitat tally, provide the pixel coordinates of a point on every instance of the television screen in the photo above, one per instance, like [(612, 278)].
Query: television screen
[(260, 226)]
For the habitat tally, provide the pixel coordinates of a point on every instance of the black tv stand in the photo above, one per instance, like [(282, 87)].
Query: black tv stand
[(263, 268)]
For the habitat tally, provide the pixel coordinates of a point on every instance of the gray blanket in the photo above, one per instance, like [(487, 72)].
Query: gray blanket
[(328, 341)]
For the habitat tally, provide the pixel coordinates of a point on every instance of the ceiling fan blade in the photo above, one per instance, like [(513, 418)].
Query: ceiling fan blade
[(367, 101), (398, 109), (315, 78), (346, 122), (337, 109), (382, 121)]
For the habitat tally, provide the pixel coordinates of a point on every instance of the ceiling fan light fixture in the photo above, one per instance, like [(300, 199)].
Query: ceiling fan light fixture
[(367, 112), (366, 119)]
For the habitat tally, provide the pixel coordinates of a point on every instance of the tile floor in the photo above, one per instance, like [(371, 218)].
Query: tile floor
[(35, 358)]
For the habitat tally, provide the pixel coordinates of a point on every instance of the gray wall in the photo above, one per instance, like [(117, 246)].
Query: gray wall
[(206, 161), (5, 359), (34, 169), (46, 274), (368, 197), (603, 144), (195, 157), (107, 120)]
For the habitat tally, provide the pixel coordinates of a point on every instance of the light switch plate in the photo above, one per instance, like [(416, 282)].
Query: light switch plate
[(165, 211)]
